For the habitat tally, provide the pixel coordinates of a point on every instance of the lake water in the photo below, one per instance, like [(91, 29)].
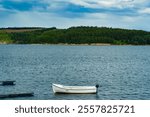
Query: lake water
[(123, 72)]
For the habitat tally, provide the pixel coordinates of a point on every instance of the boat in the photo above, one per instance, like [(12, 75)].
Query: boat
[(5, 83), (57, 88), (13, 95)]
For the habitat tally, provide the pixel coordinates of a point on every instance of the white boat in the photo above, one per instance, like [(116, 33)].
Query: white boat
[(57, 88)]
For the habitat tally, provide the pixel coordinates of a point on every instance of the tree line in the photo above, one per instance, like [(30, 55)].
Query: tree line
[(78, 35)]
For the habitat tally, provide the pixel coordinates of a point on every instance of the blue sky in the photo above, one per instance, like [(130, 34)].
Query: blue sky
[(131, 14)]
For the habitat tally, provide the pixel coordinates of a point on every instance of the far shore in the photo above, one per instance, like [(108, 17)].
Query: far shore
[(98, 44), (94, 44), (86, 44)]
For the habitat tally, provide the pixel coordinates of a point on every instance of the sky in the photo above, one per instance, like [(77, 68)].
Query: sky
[(128, 14)]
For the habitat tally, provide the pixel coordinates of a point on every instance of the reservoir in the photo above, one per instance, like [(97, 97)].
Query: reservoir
[(123, 72)]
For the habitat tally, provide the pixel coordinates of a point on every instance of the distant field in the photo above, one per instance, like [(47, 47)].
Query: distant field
[(19, 30)]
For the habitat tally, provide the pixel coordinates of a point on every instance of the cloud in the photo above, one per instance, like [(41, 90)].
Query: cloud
[(144, 11), (75, 6), (2, 8), (92, 19), (102, 3), (66, 13)]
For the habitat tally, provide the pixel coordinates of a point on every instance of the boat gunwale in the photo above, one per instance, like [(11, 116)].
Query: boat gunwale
[(75, 87)]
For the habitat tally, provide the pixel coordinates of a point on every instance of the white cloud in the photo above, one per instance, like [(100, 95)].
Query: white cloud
[(102, 3), (95, 3), (92, 19), (144, 11), (111, 19)]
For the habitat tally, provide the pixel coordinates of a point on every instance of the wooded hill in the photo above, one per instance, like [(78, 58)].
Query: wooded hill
[(74, 35)]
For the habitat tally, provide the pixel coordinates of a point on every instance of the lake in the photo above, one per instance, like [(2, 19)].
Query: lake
[(123, 72)]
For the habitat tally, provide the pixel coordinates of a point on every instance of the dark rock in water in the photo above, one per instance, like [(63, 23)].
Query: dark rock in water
[(5, 83)]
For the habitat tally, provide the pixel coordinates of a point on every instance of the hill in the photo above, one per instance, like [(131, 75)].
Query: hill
[(75, 35)]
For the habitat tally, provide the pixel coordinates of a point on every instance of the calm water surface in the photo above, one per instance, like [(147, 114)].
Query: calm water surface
[(123, 72)]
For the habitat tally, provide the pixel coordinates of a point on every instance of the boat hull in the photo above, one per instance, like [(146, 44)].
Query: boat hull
[(73, 89)]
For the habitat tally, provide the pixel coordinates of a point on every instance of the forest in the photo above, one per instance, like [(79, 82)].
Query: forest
[(73, 35)]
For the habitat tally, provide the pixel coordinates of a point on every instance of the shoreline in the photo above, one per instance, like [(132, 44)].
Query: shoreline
[(66, 44), (98, 44), (86, 44)]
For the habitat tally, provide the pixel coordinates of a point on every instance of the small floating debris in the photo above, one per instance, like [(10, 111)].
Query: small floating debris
[(17, 95), (5, 83)]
